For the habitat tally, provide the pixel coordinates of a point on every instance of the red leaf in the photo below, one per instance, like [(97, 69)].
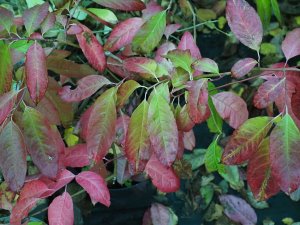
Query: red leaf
[(102, 125), (95, 186), (13, 156), (259, 175), (295, 101), (84, 121), (86, 87), (187, 42), (36, 72), (243, 67), (152, 8), (7, 102), (91, 48), (238, 210), (231, 108), (163, 50), (244, 23), (40, 142), (76, 156), (60, 210), (268, 92), (170, 29), (117, 67), (47, 108), (124, 5), (189, 140), (197, 105), (123, 34), (145, 67), (162, 177), (21, 210), (74, 29), (291, 44), (33, 189), (121, 129), (183, 120)]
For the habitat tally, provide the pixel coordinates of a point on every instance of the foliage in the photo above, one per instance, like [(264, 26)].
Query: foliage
[(82, 81)]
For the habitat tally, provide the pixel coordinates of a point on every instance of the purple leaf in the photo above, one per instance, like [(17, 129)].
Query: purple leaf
[(291, 44), (242, 67)]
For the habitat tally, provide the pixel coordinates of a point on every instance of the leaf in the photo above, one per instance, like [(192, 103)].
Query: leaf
[(212, 157), (76, 156), (21, 210), (183, 120), (121, 129), (170, 29), (291, 44), (244, 23), (95, 186), (268, 92), (260, 177), (150, 34), (145, 67), (276, 10), (124, 5), (245, 140), (60, 210), (104, 15), (47, 108), (206, 65), (162, 215), (7, 102), (137, 145), (187, 42), (33, 17), (214, 122), (48, 23), (238, 210), (123, 34), (33, 189), (7, 19), (197, 100), (40, 145), (13, 156), (36, 72), (86, 87), (189, 140), (162, 130), (125, 90), (284, 156), (231, 108), (6, 67), (152, 7), (162, 177), (91, 48), (265, 12), (243, 67), (101, 125), (163, 50), (181, 58)]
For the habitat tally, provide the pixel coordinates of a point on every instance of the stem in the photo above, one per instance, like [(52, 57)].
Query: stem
[(194, 19), (197, 25)]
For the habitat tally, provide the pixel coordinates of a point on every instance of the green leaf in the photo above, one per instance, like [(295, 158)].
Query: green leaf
[(150, 33), (232, 175), (6, 68), (104, 14), (264, 12), (31, 3), (214, 122), (206, 65), (276, 10), (182, 59), (125, 90), (21, 45), (196, 158), (213, 157), (162, 90)]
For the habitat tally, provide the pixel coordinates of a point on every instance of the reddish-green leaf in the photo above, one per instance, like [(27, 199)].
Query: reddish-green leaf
[(145, 67), (162, 177), (123, 34), (60, 210), (86, 87), (13, 156), (243, 67), (152, 7), (21, 210), (124, 5), (101, 125), (34, 16), (76, 156), (40, 143), (137, 145), (231, 108), (150, 34), (183, 120), (187, 42), (91, 48), (244, 23), (6, 68), (284, 154), (125, 90), (197, 105), (260, 177), (206, 65), (246, 139), (121, 129), (170, 29), (47, 108), (6, 19), (36, 72), (7, 102), (48, 23), (268, 92), (95, 186), (291, 44), (162, 129), (181, 58)]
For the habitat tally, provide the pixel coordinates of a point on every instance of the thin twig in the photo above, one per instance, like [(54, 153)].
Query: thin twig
[(194, 19)]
